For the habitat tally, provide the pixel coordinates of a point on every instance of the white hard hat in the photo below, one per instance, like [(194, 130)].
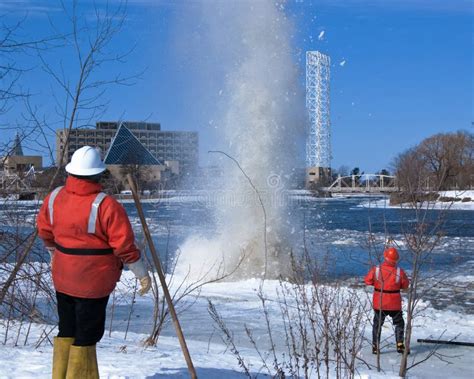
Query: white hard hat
[(85, 162)]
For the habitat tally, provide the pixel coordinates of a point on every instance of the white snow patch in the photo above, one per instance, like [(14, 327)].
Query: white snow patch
[(467, 204), (458, 193), (238, 304)]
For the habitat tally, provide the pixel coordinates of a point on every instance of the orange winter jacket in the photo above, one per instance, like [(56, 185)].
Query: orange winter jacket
[(387, 280), (92, 237)]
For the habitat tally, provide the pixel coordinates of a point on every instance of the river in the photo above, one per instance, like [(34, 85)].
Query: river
[(335, 231)]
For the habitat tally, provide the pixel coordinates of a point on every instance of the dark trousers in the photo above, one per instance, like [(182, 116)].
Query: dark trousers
[(81, 319), (379, 318)]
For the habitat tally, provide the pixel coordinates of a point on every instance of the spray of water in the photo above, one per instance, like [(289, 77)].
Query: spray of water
[(260, 131)]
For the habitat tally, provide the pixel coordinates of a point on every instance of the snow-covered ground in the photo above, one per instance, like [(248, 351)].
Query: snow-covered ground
[(464, 200), (239, 305)]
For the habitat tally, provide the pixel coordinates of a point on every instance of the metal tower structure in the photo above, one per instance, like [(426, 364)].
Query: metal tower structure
[(318, 144)]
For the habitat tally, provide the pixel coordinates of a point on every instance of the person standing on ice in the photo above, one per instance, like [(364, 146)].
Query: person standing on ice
[(90, 238), (388, 280)]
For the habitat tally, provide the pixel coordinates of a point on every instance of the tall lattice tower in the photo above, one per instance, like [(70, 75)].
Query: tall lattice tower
[(318, 144)]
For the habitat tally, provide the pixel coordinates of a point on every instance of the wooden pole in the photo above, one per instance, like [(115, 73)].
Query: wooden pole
[(162, 278)]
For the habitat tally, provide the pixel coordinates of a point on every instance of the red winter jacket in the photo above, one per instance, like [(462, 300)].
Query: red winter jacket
[(387, 285), (90, 251)]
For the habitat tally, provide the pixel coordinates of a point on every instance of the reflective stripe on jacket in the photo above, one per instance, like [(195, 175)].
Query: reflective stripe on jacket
[(387, 280), (92, 235)]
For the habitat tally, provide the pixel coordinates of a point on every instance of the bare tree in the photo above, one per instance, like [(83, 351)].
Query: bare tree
[(186, 290), (11, 47), (321, 325), (422, 227), (14, 47), (422, 233), (440, 162), (83, 92)]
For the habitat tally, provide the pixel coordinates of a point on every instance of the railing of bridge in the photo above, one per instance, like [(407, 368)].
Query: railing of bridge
[(364, 183), (15, 182)]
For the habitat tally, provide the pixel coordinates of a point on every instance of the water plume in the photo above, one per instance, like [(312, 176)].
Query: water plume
[(260, 131)]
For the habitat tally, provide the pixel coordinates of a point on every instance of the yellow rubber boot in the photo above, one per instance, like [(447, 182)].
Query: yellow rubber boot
[(61, 347), (82, 363)]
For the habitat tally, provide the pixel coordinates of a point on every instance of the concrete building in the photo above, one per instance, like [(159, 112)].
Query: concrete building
[(127, 155), (19, 165), (16, 163), (17, 171), (318, 176), (182, 147)]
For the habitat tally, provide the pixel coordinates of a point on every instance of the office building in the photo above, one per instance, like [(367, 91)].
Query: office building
[(178, 146)]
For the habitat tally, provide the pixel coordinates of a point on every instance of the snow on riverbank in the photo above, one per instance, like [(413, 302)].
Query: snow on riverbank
[(119, 358), (454, 200), (239, 305)]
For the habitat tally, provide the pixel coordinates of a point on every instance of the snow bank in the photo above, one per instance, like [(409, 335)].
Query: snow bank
[(458, 193), (439, 205), (239, 305), (119, 358)]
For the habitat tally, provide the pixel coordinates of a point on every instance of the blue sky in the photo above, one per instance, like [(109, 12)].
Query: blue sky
[(401, 69)]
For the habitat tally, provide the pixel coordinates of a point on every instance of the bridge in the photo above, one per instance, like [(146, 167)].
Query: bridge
[(365, 183), (16, 185)]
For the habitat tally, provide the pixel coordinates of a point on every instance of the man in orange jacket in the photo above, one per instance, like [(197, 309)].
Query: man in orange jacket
[(90, 238), (388, 280)]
